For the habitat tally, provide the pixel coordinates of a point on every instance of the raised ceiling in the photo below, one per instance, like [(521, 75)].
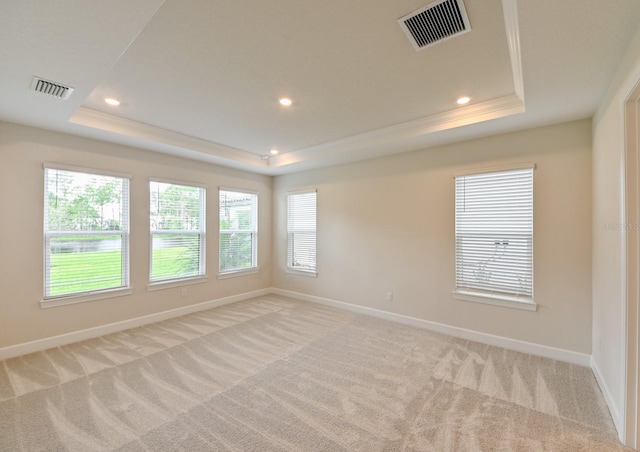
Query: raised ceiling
[(202, 78)]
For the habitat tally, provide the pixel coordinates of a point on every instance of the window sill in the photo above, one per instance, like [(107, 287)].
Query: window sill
[(161, 285), (236, 273), (495, 300), (309, 273), (81, 298)]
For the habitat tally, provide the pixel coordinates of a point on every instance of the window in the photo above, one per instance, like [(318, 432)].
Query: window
[(86, 233), (238, 231), (494, 235), (301, 232), (177, 222)]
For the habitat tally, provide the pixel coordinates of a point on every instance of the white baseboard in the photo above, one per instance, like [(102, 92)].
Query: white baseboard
[(613, 407), (89, 333), (559, 354), (499, 341), (512, 344)]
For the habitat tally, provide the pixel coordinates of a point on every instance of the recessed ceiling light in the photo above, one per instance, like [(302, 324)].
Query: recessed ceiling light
[(112, 101), (463, 100), (274, 152), (285, 101)]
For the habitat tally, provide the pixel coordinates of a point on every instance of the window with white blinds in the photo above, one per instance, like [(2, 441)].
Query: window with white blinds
[(301, 231), (86, 232), (177, 226), (494, 234), (238, 231)]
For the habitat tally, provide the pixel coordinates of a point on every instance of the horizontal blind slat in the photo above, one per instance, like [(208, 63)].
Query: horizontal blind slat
[(86, 232), (177, 228), (494, 232), (238, 217), (301, 231)]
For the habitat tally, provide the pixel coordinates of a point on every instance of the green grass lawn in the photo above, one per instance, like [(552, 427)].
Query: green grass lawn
[(96, 270)]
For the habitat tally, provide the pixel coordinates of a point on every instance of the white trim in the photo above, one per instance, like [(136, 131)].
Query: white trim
[(84, 297), (124, 232), (628, 430), (300, 191), (170, 283), (115, 124), (309, 273), (353, 148), (86, 170), (606, 392), (238, 190), (360, 146), (495, 300), (236, 273), (164, 180), (485, 338), (581, 359), (496, 169), (254, 198), (90, 333), (510, 11)]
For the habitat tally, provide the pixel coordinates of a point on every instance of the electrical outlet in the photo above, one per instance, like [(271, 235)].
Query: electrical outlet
[(389, 296), (183, 292)]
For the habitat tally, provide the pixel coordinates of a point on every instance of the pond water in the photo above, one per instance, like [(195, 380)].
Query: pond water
[(110, 244)]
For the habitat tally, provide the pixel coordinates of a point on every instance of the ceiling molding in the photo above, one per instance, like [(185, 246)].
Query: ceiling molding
[(354, 147), (511, 24), (123, 126)]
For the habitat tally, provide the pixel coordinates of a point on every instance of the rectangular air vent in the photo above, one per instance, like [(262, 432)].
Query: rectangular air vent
[(51, 88), (435, 22)]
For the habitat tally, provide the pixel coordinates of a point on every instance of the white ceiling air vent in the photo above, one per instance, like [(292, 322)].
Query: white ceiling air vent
[(51, 88), (435, 22)]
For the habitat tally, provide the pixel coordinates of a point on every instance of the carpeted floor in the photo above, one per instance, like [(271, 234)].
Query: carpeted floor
[(278, 374)]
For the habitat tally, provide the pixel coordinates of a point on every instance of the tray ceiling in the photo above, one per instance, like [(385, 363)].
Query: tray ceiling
[(201, 79)]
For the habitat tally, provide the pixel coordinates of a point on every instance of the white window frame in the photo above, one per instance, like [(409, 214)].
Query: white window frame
[(201, 277), (80, 297), (240, 271), (485, 292), (292, 231)]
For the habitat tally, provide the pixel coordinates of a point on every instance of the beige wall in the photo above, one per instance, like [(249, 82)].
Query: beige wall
[(22, 153), (384, 225), (387, 225), (609, 304)]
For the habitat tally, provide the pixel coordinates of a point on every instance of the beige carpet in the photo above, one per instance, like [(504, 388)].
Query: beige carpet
[(278, 374)]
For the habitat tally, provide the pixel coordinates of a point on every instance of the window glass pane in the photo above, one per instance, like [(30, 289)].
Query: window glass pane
[(303, 250), (176, 207), (85, 202), (494, 233), (86, 232), (177, 223), (79, 263), (238, 230), (175, 256), (301, 231)]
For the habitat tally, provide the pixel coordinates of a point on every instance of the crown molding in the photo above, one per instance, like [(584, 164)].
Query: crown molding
[(122, 126), (360, 146), (512, 28)]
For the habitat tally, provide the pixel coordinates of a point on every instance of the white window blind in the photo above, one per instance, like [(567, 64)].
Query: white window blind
[(177, 222), (301, 231), (86, 233), (494, 234), (238, 231)]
